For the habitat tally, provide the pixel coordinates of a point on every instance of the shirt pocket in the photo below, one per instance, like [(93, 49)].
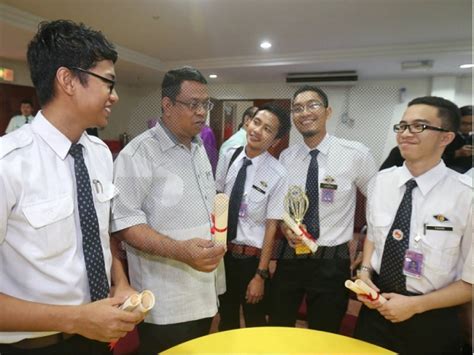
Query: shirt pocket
[(257, 206), (440, 248), (380, 226), (53, 221), (107, 191)]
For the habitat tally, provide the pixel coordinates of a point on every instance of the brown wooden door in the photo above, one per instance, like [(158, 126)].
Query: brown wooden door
[(10, 99)]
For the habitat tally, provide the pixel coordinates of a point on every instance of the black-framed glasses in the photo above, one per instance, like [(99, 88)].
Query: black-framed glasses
[(194, 105), (103, 78), (313, 106), (416, 128)]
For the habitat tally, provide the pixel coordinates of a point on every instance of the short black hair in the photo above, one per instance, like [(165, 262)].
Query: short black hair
[(448, 111), (281, 113), (63, 43), (315, 89), (26, 101), (250, 111), (171, 85), (466, 110)]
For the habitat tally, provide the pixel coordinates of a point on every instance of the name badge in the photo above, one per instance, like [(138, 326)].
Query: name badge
[(258, 189), (439, 228), (413, 264), (327, 192)]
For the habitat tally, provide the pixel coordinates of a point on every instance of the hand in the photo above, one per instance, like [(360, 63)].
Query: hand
[(464, 151), (292, 238), (398, 308), (355, 264), (201, 254), (365, 276), (122, 291), (255, 290), (104, 321)]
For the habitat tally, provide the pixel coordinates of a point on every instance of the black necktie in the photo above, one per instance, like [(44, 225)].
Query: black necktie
[(236, 199), (391, 277), (93, 254), (311, 218), (26, 119)]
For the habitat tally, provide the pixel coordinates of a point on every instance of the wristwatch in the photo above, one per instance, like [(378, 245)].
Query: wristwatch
[(264, 274)]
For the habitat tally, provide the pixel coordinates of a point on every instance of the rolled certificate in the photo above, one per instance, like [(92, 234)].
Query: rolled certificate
[(131, 302), (147, 301), (221, 212), (296, 228), (361, 288)]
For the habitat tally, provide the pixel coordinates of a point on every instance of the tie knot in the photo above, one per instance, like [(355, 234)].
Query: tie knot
[(314, 153), (246, 162), (76, 151), (411, 184)]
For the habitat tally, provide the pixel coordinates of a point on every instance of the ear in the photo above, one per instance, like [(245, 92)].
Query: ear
[(328, 112), (166, 105), (447, 138), (65, 81)]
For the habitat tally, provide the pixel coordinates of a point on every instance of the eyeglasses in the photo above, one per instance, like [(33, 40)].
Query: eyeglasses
[(104, 79), (195, 105), (415, 128), (313, 106)]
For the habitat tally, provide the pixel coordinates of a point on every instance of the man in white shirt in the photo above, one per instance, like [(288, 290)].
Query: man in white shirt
[(26, 109), (419, 243), (55, 192), (330, 170), (163, 213), (253, 216), (239, 138)]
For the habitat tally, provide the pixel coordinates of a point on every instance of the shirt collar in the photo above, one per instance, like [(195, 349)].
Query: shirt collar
[(426, 181), (323, 147), (168, 139), (57, 141), (255, 161)]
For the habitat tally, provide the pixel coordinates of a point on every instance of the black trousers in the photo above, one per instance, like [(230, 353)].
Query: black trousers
[(436, 331), (76, 345), (239, 271), (322, 280), (155, 338)]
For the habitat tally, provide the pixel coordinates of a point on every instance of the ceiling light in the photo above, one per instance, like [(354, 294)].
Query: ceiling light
[(213, 76), (417, 65), (466, 66), (265, 45)]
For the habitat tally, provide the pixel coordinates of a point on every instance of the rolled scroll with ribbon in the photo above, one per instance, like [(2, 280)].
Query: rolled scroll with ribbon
[(219, 218), (361, 288), (296, 205)]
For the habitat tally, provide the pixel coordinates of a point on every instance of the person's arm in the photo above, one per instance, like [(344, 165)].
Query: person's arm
[(120, 284), (255, 289), (399, 308), (200, 254), (11, 125), (101, 320)]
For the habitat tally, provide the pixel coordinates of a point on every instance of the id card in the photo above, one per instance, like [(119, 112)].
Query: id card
[(243, 209), (413, 264), (327, 192)]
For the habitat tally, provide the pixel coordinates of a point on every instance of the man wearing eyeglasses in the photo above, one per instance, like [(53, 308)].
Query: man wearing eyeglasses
[(55, 250), (330, 170), (163, 214), (417, 252)]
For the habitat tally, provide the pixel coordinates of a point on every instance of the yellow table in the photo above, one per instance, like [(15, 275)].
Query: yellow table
[(275, 340)]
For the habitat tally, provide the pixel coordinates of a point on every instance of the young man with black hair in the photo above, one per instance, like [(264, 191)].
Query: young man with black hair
[(418, 213), (55, 188), (26, 109), (330, 170), (163, 213), (256, 184)]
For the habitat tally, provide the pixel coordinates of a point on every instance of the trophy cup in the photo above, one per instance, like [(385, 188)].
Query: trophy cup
[(296, 205)]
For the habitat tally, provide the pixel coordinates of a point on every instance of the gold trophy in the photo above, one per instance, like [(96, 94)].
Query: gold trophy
[(296, 205)]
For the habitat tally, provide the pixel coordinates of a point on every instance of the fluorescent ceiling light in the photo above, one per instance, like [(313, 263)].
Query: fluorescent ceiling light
[(213, 76), (265, 45), (466, 66), (417, 65)]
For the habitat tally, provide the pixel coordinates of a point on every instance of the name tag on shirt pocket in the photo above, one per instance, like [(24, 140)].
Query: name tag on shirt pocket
[(439, 228), (259, 189)]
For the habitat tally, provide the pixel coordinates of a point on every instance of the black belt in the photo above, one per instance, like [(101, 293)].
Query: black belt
[(340, 251), (37, 343)]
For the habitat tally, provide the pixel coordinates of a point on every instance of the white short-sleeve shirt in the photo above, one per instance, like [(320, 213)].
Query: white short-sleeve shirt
[(441, 218), (41, 253), (347, 164), (264, 193), (171, 188)]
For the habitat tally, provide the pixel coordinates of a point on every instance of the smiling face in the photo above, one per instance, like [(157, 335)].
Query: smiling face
[(94, 99), (180, 119), (310, 115), (426, 146), (261, 132)]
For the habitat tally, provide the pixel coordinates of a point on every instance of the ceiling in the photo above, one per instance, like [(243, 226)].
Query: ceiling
[(223, 36)]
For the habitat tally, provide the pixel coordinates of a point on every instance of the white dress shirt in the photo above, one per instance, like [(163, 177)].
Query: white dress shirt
[(171, 188), (41, 253), (442, 198), (264, 193), (17, 122), (347, 164)]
